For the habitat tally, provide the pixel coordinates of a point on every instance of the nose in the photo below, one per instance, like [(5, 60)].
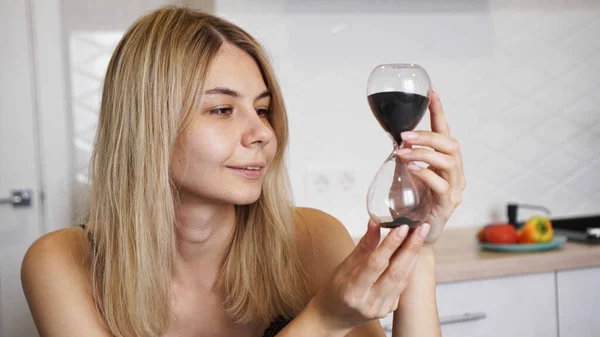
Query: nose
[(256, 130)]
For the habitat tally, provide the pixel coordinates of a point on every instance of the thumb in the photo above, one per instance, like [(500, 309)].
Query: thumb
[(365, 246)]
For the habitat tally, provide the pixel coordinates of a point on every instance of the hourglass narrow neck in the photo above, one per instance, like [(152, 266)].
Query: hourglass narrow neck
[(397, 145)]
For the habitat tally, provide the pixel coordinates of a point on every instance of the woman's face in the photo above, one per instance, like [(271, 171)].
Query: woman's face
[(224, 154)]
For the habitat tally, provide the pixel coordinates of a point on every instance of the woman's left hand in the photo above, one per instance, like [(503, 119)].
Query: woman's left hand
[(444, 175)]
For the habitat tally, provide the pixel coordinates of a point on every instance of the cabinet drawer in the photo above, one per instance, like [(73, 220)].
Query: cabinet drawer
[(523, 306), (579, 302)]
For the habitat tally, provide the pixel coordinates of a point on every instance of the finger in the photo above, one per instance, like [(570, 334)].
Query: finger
[(463, 179), (437, 141), (387, 306), (364, 248), (436, 159), (446, 164), (393, 281), (436, 183), (439, 123), (376, 264)]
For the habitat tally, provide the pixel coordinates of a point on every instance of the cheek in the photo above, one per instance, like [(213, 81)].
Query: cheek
[(199, 153), (209, 147), (177, 166), (272, 147)]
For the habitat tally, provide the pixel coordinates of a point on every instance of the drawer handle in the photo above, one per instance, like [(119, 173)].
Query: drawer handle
[(449, 319), (463, 318)]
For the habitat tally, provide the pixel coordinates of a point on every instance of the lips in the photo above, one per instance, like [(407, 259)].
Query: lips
[(251, 171), (249, 166)]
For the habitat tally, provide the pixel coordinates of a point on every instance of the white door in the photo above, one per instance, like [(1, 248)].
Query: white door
[(32, 124), (19, 166)]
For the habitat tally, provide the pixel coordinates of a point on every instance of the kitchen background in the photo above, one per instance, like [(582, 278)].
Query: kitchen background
[(519, 80)]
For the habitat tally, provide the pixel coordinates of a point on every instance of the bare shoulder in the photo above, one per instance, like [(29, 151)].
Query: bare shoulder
[(67, 240), (55, 251), (318, 227), (57, 284), (323, 242)]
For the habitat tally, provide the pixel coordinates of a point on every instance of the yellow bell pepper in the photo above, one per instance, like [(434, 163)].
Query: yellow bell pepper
[(537, 229)]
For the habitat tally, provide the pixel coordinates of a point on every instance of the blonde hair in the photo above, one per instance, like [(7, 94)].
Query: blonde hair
[(152, 86)]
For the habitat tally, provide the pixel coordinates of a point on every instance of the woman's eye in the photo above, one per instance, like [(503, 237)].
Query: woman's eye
[(262, 112), (221, 111)]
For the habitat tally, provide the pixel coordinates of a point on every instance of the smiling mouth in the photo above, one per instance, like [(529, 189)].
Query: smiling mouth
[(248, 168), (249, 172)]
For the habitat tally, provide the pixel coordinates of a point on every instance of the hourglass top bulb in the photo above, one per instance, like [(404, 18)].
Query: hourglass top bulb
[(398, 97)]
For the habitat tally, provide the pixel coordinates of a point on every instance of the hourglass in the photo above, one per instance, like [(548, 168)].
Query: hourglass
[(398, 97)]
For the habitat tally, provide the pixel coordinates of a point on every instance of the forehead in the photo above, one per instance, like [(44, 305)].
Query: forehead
[(234, 68)]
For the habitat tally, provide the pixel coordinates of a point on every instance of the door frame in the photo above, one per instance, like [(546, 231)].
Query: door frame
[(52, 117)]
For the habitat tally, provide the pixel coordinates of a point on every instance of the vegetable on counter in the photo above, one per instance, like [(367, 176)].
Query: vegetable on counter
[(498, 234), (537, 229)]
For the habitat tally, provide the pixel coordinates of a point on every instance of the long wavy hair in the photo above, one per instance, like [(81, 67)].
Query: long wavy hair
[(152, 87)]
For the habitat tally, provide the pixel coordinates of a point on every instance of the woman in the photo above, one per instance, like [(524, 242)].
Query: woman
[(191, 231)]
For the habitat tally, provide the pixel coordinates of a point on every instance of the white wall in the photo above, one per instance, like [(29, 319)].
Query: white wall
[(519, 81), (520, 85)]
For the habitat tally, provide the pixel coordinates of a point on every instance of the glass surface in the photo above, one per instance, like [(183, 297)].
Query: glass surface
[(398, 98)]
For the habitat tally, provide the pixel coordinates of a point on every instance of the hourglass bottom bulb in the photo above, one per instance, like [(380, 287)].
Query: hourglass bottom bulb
[(399, 222), (396, 197)]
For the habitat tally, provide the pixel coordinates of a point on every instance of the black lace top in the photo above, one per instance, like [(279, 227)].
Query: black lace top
[(272, 330), (276, 325)]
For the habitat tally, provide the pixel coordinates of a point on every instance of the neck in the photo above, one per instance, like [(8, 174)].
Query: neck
[(203, 233)]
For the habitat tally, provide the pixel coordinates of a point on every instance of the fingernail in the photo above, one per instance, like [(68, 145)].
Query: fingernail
[(434, 90), (437, 95), (401, 232), (409, 135), (424, 230), (414, 167), (371, 225), (403, 151)]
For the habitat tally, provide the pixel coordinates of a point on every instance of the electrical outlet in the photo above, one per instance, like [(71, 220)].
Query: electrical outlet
[(319, 182), (329, 184), (341, 192), (345, 180)]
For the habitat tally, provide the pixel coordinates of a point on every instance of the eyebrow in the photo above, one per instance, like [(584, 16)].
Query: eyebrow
[(233, 93)]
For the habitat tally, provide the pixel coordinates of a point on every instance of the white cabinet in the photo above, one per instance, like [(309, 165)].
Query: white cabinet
[(520, 306), (523, 306), (553, 304), (579, 302)]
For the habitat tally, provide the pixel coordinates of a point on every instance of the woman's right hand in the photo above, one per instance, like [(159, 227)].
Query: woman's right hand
[(368, 283)]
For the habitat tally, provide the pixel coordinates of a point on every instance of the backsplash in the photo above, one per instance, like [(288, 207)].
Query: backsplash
[(520, 87)]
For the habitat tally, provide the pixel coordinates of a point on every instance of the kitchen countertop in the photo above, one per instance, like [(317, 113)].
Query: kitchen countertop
[(458, 258)]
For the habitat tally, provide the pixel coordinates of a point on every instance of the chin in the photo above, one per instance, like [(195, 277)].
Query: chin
[(245, 201), (245, 198)]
